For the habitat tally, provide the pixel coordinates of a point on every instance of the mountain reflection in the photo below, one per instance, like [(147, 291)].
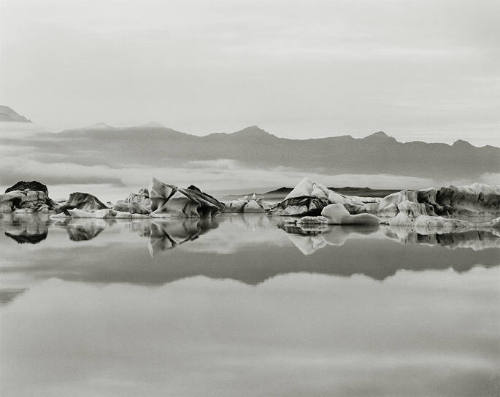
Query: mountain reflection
[(247, 248)]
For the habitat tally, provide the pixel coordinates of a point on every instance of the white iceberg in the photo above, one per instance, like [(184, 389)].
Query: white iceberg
[(172, 201), (309, 198), (247, 204), (99, 214), (336, 214)]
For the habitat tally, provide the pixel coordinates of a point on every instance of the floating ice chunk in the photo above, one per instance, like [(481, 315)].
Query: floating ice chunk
[(338, 215), (182, 202), (100, 214), (303, 188), (253, 206)]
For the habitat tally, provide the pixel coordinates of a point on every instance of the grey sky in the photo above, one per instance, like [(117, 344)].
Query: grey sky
[(422, 69)]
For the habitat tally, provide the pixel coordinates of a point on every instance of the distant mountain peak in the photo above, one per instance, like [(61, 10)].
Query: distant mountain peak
[(379, 136), (9, 114), (462, 143), (100, 126), (252, 130)]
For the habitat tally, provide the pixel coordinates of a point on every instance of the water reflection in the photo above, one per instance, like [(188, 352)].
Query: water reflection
[(143, 307), (82, 229), (310, 238), (26, 229), (9, 294), (247, 248), (164, 235), (474, 239), (432, 334)]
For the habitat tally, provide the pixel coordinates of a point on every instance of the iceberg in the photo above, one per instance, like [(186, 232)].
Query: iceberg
[(26, 197), (98, 214), (450, 207), (336, 214), (161, 201), (172, 201), (309, 198), (247, 204), (135, 203), (462, 202), (82, 201)]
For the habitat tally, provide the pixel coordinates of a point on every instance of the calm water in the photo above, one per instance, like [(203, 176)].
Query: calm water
[(246, 306)]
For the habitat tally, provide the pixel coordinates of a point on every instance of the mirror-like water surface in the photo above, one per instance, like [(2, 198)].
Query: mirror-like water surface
[(247, 306)]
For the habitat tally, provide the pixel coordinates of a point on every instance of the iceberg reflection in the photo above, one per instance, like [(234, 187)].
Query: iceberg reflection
[(168, 234), (82, 229), (26, 228), (473, 239), (310, 238), (247, 248)]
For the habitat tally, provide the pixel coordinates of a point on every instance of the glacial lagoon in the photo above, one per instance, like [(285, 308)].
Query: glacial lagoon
[(246, 305)]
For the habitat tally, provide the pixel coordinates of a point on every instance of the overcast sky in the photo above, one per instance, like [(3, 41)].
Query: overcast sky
[(423, 69)]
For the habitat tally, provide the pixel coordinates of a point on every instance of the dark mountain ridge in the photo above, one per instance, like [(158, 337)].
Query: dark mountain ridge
[(377, 153)]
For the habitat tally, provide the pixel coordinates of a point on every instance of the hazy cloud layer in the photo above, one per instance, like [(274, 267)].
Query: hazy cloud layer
[(214, 176), (417, 69)]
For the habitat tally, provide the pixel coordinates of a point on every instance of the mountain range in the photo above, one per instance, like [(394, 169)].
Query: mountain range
[(158, 146), (375, 154)]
